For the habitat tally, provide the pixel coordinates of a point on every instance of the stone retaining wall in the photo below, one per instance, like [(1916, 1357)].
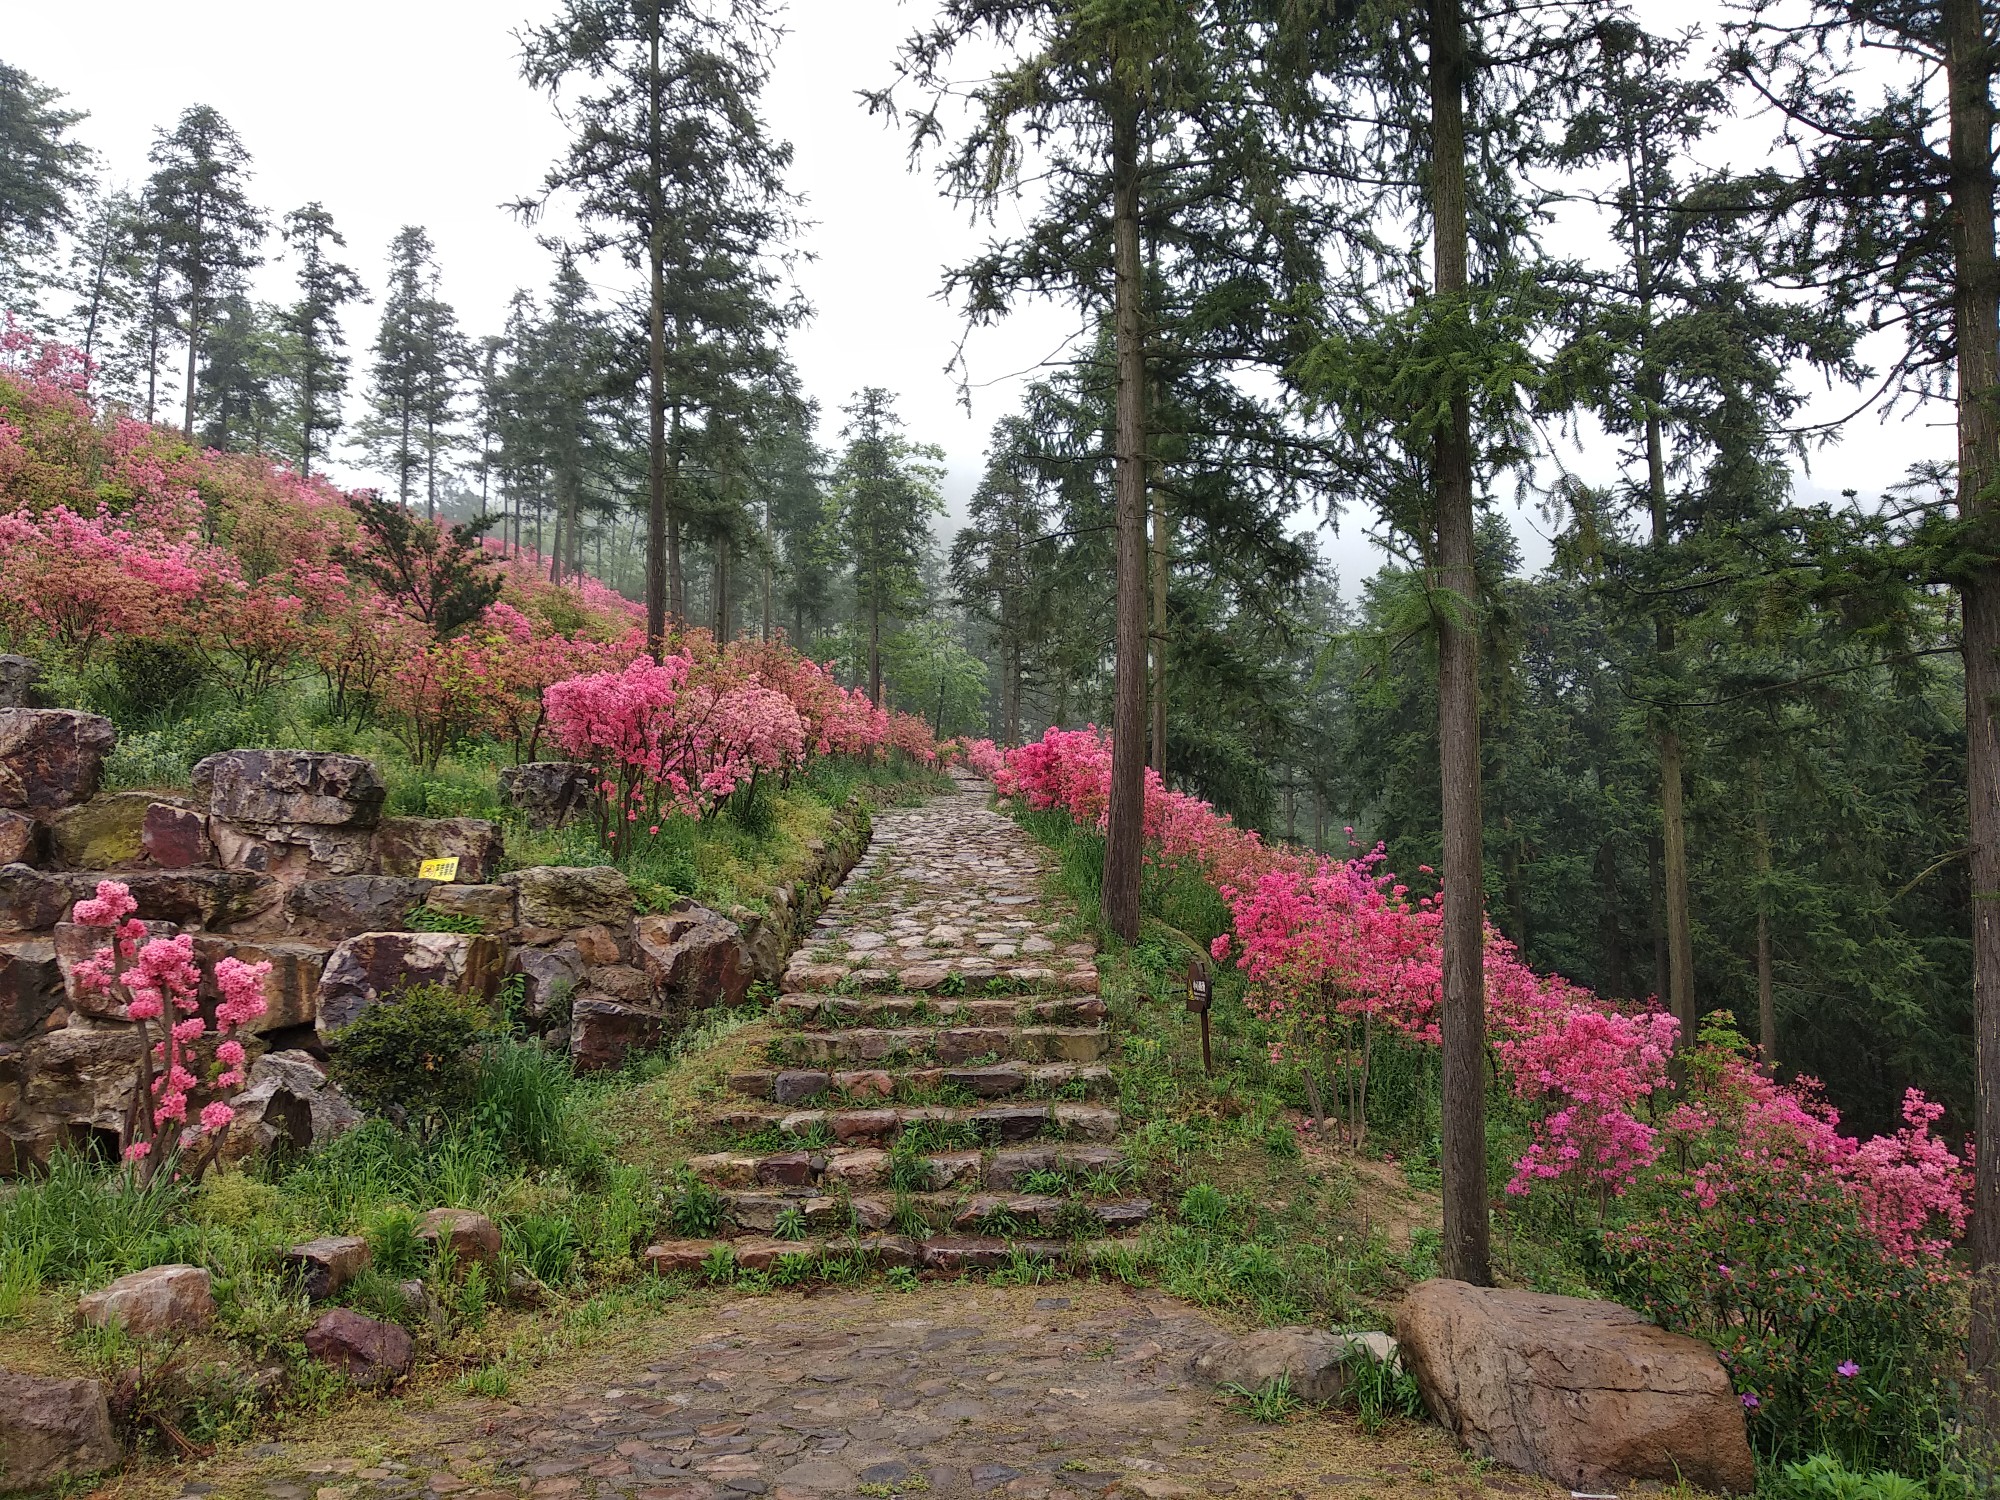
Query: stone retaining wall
[(284, 856)]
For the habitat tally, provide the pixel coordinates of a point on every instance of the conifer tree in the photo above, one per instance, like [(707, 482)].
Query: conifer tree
[(43, 174), (887, 489), (205, 227), (418, 359), (106, 277), (319, 345), (676, 174)]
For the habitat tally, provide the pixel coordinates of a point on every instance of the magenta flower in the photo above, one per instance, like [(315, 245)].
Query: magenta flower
[(1847, 1369), (1751, 1401)]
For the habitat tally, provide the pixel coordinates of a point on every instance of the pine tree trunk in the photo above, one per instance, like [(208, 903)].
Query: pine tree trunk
[(874, 649), (1463, 1019), (1976, 331), (676, 578), (195, 286), (1124, 843), (1157, 746), (656, 356), (1767, 1006)]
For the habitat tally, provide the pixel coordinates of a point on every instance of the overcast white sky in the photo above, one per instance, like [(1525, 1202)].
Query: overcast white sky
[(396, 112)]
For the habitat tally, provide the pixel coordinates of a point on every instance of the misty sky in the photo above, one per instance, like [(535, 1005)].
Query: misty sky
[(395, 112)]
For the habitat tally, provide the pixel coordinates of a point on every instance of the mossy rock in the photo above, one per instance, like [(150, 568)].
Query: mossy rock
[(105, 833)]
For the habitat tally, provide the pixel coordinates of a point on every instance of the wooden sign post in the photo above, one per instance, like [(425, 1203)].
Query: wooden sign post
[(1200, 995)]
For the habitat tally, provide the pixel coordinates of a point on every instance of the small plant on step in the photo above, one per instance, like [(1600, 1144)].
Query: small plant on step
[(791, 1270), (695, 1209), (1273, 1401), (490, 1381), (1023, 1269), (953, 984), (901, 1279), (1381, 1390), (1045, 1183), (1206, 1207), (1076, 1221), (718, 1267), (791, 1224), (906, 1215)]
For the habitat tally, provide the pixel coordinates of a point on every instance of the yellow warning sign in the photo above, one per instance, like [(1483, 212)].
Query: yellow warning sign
[(439, 869)]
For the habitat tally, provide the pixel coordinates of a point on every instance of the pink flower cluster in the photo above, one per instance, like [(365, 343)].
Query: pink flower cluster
[(158, 983), (1325, 939)]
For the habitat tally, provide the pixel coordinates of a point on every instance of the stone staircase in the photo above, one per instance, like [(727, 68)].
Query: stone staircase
[(938, 1092)]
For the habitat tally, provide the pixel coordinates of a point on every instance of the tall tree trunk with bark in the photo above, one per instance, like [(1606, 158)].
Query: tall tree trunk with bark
[(1976, 330), (196, 286), (1157, 636), (1124, 842), (656, 356), (1463, 1081)]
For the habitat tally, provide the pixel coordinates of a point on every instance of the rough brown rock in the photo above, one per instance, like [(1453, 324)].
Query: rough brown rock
[(695, 959), (1312, 1361), (1586, 1393), (492, 906), (622, 983), (287, 1102), (403, 844), (685, 1257), (175, 837), (291, 989), (548, 793), (52, 1430), (367, 1352), (31, 986), (105, 833), (598, 944), (603, 1032), (22, 838), (71, 1087), (366, 968), (469, 1236), (324, 1266), (552, 975), (50, 757), (306, 787), (353, 904), (18, 676), (31, 901), (564, 897), (212, 899), (152, 1303)]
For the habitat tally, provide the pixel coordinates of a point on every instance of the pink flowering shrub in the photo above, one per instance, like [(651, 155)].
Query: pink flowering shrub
[(157, 984), (1813, 1262)]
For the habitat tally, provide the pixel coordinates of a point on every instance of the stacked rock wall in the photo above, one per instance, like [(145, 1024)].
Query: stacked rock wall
[(284, 856)]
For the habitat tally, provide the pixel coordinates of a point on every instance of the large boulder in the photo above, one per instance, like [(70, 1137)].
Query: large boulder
[(548, 793), (101, 834), (1588, 1394), (18, 676), (492, 906), (695, 958), (367, 1352), (1317, 1365), (23, 839), (549, 975), (291, 989), (33, 901), (153, 1303), (69, 1087), (403, 844), (603, 1032), (365, 969), (50, 758), (31, 986), (292, 814), (353, 904), (213, 900), (174, 836), (287, 1103), (52, 1430), (562, 897)]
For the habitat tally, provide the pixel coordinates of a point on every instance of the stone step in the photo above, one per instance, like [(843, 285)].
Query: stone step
[(946, 1253), (1000, 1081), (940, 976), (1096, 1169), (828, 1011), (994, 1124), (762, 1211), (943, 1048)]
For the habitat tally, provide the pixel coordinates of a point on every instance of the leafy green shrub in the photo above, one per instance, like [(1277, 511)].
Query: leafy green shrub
[(1206, 1207), (1824, 1477), (1379, 1389), (422, 918), (393, 1243), (695, 1210), (410, 1057), (546, 1244), (153, 678), (523, 1099)]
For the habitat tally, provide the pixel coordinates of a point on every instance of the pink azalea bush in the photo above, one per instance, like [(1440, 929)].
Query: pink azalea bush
[(157, 984)]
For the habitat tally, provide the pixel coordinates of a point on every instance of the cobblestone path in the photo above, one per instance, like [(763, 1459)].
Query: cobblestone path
[(937, 1094), (1058, 1392)]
